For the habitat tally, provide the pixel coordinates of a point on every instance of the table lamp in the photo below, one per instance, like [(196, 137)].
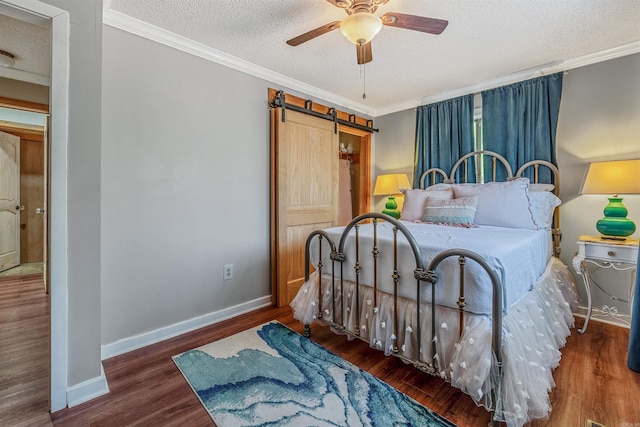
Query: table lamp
[(390, 185), (615, 177)]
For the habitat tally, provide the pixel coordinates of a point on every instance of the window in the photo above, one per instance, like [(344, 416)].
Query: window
[(478, 144)]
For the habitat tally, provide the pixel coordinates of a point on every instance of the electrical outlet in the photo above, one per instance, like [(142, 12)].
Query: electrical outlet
[(227, 272)]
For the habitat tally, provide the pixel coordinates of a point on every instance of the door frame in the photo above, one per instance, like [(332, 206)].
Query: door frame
[(23, 131), (58, 150), (364, 202)]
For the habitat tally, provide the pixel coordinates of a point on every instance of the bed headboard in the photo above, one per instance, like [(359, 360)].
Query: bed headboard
[(480, 157), (555, 177)]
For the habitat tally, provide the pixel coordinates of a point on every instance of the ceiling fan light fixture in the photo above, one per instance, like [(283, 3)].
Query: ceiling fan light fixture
[(361, 27), (6, 59)]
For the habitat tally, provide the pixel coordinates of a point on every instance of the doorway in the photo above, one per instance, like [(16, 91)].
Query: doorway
[(30, 128), (306, 156), (354, 177), (57, 21), (20, 84), (25, 308)]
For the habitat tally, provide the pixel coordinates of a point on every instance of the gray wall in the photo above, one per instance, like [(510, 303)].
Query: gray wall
[(185, 173), (81, 317), (185, 187), (599, 120), (83, 191), (394, 147)]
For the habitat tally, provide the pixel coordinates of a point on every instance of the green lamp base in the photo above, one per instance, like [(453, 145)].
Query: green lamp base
[(615, 224), (391, 208)]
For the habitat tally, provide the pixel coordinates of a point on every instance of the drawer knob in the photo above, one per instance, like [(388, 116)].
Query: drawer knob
[(611, 253)]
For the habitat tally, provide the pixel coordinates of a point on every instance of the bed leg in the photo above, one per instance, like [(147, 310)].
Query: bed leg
[(307, 330)]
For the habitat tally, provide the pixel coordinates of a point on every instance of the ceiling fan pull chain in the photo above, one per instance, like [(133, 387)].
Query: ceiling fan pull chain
[(364, 82)]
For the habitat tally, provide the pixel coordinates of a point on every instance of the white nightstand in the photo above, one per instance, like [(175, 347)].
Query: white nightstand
[(605, 253)]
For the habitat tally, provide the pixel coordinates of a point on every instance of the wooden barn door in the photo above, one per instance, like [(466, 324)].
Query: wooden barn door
[(304, 193)]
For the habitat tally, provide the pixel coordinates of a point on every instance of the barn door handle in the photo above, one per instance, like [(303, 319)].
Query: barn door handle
[(19, 208), (40, 210)]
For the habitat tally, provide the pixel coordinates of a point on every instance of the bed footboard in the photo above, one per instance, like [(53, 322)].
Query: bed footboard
[(337, 301)]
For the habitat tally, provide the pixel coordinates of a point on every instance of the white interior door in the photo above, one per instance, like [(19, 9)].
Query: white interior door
[(9, 201)]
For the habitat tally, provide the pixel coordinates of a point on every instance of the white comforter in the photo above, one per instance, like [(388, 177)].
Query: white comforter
[(518, 256)]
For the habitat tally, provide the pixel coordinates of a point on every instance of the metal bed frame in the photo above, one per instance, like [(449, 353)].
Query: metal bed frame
[(421, 274)]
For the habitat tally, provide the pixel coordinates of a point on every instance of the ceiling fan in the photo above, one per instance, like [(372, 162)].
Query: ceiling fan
[(362, 25)]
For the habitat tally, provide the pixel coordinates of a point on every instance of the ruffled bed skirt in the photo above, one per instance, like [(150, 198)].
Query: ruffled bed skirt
[(533, 332)]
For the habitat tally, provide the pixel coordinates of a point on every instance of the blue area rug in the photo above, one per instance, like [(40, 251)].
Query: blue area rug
[(273, 376)]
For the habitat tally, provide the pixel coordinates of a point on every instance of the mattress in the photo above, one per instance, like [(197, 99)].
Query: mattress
[(518, 256)]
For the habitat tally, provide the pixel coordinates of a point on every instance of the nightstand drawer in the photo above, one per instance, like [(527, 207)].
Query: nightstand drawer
[(613, 253)]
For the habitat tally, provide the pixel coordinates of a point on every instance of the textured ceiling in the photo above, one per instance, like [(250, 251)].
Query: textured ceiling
[(25, 36), (485, 40)]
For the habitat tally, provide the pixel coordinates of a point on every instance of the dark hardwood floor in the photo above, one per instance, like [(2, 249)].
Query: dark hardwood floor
[(24, 351), (592, 381)]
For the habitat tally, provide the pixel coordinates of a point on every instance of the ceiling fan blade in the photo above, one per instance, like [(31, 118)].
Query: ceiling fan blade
[(313, 33), (413, 22), (364, 53)]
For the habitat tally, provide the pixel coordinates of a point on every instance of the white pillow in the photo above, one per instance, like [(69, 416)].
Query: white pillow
[(415, 201), (439, 186), (540, 187), (502, 204), (543, 204)]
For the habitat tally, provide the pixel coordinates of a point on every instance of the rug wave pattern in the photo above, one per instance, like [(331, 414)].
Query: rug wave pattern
[(297, 383)]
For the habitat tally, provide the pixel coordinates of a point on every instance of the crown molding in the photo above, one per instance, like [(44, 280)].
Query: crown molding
[(604, 55), (540, 70), (25, 15), (24, 76), (143, 29), (30, 10), (407, 105)]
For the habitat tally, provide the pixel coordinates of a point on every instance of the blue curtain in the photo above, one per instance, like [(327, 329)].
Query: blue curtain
[(444, 133), (633, 359), (519, 121)]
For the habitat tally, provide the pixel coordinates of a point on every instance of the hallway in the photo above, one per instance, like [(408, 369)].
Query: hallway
[(24, 353)]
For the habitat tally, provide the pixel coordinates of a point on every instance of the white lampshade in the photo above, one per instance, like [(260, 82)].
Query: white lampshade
[(615, 177), (361, 27), (390, 184)]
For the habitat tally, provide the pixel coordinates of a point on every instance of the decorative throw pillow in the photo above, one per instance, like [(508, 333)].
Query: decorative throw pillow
[(415, 201), (502, 204), (459, 212)]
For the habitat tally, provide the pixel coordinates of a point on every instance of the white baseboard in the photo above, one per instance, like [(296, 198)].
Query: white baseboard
[(87, 390), (126, 345)]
